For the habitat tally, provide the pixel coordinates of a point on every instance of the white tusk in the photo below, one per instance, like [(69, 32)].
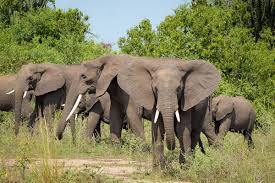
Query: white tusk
[(25, 93), (12, 91), (177, 116), (75, 106), (75, 117), (156, 116), (62, 105)]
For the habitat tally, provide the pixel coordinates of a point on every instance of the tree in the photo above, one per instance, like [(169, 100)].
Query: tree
[(9, 7), (222, 35)]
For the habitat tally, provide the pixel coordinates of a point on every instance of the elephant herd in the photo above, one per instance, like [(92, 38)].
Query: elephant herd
[(121, 90)]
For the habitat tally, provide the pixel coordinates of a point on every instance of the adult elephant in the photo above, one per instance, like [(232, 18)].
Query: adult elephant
[(176, 89), (159, 86), (50, 83), (234, 114), (100, 75), (7, 85)]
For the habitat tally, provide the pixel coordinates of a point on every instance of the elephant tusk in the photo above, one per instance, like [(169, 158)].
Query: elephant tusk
[(75, 106), (62, 105), (12, 91), (177, 116), (75, 117), (156, 116), (25, 93)]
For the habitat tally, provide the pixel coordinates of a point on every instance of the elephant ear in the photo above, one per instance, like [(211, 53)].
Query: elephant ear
[(200, 81), (136, 81), (225, 105), (52, 79), (107, 69)]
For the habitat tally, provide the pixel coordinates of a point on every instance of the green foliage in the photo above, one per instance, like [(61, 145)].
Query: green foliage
[(9, 7), (221, 34), (46, 35)]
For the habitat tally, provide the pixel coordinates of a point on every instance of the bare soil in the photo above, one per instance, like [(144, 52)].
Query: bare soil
[(113, 168)]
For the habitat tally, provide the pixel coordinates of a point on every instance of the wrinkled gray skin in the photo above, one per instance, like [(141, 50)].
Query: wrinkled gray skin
[(234, 114), (50, 83), (164, 84), (7, 84)]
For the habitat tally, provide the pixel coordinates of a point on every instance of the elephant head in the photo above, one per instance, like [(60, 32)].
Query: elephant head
[(94, 77), (169, 86), (41, 78), (222, 105)]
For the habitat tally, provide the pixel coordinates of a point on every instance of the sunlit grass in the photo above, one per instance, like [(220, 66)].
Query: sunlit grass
[(233, 162)]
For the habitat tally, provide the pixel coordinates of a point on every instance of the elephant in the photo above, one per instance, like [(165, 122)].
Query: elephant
[(7, 96), (234, 114), (49, 82), (176, 89), (168, 87), (99, 76)]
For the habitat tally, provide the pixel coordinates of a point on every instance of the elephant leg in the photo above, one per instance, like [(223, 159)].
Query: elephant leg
[(248, 138), (116, 122), (135, 120), (157, 142), (92, 123), (195, 137), (223, 129), (48, 113), (73, 130), (248, 134), (97, 132), (210, 134), (34, 116), (183, 131)]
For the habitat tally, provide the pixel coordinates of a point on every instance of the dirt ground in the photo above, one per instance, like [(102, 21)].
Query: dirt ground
[(113, 168)]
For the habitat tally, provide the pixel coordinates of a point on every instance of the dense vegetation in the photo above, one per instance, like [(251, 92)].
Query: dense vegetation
[(35, 31), (237, 36), (228, 35)]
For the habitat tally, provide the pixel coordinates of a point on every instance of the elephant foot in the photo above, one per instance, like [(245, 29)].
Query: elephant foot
[(251, 145), (158, 160), (146, 148), (115, 140), (185, 159), (158, 164)]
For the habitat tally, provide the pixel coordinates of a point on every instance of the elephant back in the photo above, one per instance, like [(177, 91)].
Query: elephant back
[(243, 108)]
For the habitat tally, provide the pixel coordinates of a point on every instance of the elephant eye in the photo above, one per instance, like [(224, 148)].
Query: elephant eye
[(30, 78), (83, 76)]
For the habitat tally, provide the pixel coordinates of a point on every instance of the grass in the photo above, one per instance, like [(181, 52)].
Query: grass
[(231, 163)]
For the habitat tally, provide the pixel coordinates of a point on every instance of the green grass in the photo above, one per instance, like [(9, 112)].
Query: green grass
[(231, 163)]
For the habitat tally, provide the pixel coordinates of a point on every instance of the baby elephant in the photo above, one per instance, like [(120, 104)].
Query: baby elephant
[(234, 114)]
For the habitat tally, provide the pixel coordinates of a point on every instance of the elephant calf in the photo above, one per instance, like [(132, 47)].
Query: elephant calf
[(234, 114)]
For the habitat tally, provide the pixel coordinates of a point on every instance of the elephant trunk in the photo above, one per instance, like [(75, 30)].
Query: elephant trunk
[(168, 120), (70, 101), (167, 106)]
